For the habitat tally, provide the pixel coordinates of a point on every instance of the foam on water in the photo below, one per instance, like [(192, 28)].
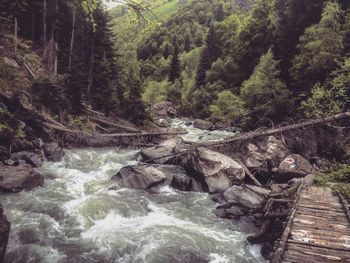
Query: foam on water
[(75, 218)]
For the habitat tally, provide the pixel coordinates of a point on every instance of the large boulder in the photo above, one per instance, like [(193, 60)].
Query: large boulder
[(16, 178), (166, 148), (147, 176), (264, 153), (203, 124), (140, 177), (33, 159), (249, 196), (4, 233), (293, 166), (215, 171), (53, 152)]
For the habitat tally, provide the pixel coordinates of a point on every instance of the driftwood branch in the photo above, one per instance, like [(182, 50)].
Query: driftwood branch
[(251, 176)]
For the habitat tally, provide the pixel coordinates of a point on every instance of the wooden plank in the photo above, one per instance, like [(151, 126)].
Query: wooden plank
[(307, 249), (307, 215), (331, 232), (339, 249), (321, 242), (321, 208)]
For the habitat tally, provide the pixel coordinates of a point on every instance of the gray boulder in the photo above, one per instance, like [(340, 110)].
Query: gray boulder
[(203, 124), (249, 196), (16, 178), (33, 159), (217, 171), (147, 176), (53, 152), (166, 148), (140, 177), (294, 166), (261, 152), (4, 233)]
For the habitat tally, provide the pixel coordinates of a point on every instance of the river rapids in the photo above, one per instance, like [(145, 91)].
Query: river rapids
[(76, 217)]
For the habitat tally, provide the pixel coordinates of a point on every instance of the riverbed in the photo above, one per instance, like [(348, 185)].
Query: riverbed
[(81, 216)]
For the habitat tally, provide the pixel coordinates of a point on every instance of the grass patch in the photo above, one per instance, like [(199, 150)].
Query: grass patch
[(337, 177)]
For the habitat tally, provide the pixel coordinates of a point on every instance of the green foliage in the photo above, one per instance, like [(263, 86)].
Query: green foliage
[(155, 92), (320, 47), (333, 96), (265, 95), (338, 177), (227, 108)]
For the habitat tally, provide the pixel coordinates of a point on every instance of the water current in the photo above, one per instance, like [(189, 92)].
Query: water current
[(75, 218)]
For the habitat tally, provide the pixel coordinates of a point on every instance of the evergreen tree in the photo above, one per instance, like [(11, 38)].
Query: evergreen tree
[(166, 51), (101, 96), (187, 44), (212, 43), (292, 18), (219, 13), (320, 47), (204, 65), (174, 72), (347, 33), (333, 96), (264, 93)]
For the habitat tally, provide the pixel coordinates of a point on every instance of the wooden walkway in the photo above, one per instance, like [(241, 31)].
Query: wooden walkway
[(318, 229)]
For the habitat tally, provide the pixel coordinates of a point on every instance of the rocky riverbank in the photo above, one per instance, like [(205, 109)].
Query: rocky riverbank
[(255, 180)]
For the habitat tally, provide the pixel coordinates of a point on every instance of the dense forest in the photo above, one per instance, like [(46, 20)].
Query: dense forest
[(239, 62), (243, 62), (75, 42)]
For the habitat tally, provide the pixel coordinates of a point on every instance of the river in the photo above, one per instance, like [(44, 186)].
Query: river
[(75, 218)]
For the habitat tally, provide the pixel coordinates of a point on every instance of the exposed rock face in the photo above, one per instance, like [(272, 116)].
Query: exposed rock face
[(166, 148), (294, 166), (33, 159), (233, 212), (140, 177), (53, 152), (16, 178), (246, 195), (216, 171), (177, 177), (4, 233), (202, 124)]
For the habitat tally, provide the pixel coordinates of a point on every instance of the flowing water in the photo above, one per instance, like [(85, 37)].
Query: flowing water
[(75, 218)]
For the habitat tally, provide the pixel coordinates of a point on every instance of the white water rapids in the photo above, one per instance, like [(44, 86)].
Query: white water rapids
[(75, 218)]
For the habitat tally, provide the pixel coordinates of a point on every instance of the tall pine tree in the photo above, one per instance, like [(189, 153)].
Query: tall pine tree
[(174, 72)]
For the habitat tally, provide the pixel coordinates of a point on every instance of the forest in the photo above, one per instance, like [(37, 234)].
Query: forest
[(190, 131), (238, 62)]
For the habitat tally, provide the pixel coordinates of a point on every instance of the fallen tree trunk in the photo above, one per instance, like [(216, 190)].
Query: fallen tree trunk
[(251, 135), (113, 124)]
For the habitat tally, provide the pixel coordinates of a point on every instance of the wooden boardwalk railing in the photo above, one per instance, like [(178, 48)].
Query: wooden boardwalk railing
[(318, 229)]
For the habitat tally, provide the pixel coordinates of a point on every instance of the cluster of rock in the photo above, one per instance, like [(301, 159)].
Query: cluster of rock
[(18, 173), (278, 173)]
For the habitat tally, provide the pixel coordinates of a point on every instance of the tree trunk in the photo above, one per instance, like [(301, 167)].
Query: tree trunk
[(71, 43), (45, 28), (16, 35), (91, 72)]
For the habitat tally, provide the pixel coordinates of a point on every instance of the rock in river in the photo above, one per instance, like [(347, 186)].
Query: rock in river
[(33, 159), (4, 233), (216, 171), (246, 195), (53, 152), (147, 176), (166, 148), (16, 178), (202, 124)]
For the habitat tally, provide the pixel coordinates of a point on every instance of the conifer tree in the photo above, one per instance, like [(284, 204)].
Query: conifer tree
[(204, 65), (174, 72), (219, 13), (264, 93), (320, 47), (187, 44)]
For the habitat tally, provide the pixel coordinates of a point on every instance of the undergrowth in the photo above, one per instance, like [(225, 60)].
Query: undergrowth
[(337, 177)]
